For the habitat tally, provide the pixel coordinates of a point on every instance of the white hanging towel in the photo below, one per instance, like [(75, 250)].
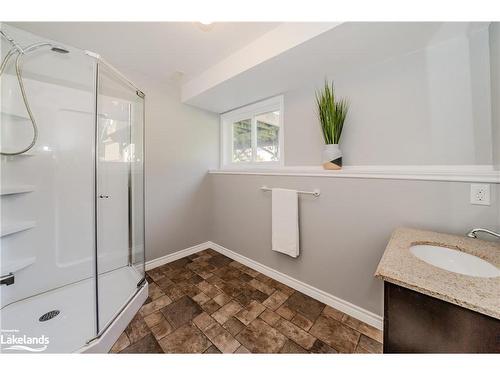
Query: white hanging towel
[(285, 222)]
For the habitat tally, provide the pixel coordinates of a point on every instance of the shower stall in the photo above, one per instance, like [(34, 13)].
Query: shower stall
[(72, 205)]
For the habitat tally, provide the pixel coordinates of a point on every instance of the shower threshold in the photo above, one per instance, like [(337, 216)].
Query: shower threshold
[(72, 316)]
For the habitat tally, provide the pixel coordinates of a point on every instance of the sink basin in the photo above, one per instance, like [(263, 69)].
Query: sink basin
[(454, 261)]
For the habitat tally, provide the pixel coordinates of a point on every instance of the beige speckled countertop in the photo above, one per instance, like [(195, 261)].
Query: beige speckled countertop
[(399, 266)]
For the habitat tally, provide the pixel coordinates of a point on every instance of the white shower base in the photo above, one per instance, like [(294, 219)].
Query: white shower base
[(75, 325)]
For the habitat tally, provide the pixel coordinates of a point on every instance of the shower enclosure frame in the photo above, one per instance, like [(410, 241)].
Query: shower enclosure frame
[(109, 282), (142, 286)]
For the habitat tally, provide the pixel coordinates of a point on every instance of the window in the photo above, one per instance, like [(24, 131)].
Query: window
[(252, 136)]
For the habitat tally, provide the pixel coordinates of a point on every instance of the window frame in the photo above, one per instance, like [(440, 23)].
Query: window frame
[(250, 112)]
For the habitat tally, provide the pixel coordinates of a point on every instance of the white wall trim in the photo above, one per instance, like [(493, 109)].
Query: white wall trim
[(322, 296), (455, 173), (177, 255)]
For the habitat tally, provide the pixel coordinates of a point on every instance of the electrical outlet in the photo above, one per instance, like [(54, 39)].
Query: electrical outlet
[(480, 194)]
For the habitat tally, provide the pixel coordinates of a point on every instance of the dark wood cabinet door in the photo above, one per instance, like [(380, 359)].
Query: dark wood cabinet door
[(417, 323)]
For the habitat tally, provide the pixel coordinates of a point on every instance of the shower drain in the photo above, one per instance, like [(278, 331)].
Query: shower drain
[(49, 315)]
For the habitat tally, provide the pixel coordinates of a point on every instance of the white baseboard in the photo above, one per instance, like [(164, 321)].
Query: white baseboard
[(177, 255), (322, 296)]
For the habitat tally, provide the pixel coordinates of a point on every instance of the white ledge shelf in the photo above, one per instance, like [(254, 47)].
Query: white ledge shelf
[(16, 227), (17, 189), (16, 265), (457, 173)]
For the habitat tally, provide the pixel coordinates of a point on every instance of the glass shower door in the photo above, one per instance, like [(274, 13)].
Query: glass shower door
[(120, 203)]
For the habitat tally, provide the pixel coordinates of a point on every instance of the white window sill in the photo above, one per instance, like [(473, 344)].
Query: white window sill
[(457, 173)]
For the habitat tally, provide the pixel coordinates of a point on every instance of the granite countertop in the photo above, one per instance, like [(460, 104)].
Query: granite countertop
[(399, 266)]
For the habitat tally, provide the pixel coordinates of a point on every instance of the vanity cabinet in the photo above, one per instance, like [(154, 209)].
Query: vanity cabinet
[(417, 323)]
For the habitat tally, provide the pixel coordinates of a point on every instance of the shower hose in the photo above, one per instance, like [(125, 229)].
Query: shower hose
[(20, 53)]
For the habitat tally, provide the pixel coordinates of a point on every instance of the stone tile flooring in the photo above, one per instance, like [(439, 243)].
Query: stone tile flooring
[(208, 303)]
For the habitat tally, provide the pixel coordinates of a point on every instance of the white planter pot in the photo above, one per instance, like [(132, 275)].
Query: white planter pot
[(332, 157)]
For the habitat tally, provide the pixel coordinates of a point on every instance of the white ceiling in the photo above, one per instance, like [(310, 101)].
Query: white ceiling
[(233, 64), (341, 50), (159, 50)]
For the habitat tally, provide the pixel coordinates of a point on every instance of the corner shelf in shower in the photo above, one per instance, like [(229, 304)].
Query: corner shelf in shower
[(16, 189), (16, 265), (16, 227), (15, 116), (20, 155)]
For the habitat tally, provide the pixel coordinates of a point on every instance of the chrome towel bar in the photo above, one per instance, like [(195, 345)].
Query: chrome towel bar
[(315, 192)]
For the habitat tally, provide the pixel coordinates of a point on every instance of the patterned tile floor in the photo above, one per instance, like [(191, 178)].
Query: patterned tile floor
[(208, 303)]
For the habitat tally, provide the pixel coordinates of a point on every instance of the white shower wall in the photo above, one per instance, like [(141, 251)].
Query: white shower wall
[(59, 249)]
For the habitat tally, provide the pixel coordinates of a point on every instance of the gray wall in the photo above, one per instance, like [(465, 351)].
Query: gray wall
[(495, 98), (343, 232), (181, 145), (495, 89), (428, 107)]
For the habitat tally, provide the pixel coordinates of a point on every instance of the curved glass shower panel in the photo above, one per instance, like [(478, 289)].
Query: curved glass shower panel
[(47, 200), (120, 210)]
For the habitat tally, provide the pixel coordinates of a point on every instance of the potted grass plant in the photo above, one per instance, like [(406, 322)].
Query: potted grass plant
[(332, 113)]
